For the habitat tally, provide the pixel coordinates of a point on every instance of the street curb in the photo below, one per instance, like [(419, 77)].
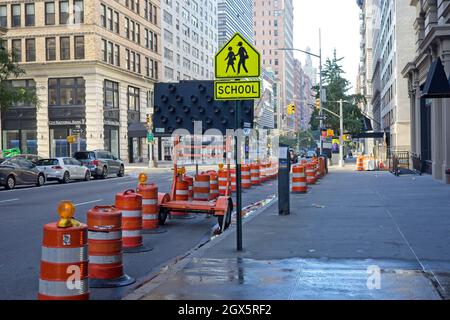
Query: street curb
[(176, 264)]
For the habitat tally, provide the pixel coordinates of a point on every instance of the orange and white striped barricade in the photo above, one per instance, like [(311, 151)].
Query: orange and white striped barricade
[(182, 193), (190, 181), (233, 180), (64, 259), (246, 177), (310, 173), (223, 182), (254, 174), (323, 171), (130, 203), (317, 168), (299, 184), (105, 248), (360, 163), (213, 185), (150, 208), (202, 187)]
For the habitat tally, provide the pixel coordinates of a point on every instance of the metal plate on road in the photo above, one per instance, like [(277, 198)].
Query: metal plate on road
[(237, 90), (237, 59)]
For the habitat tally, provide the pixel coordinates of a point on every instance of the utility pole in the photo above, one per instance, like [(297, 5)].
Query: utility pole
[(341, 133), (321, 92)]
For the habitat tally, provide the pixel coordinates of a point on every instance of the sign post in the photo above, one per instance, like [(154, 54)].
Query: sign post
[(237, 60)]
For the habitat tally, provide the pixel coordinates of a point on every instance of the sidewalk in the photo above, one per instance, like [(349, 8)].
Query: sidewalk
[(163, 166), (349, 224)]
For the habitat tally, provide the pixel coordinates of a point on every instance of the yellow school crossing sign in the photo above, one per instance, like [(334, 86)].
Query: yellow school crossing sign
[(238, 59)]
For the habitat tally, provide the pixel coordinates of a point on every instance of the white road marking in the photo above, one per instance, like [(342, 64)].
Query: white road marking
[(9, 200), (88, 202)]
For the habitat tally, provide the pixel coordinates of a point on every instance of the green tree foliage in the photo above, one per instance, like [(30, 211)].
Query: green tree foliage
[(10, 70), (337, 87)]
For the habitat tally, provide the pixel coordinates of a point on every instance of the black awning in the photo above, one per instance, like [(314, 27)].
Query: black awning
[(137, 130), (437, 84), (366, 135)]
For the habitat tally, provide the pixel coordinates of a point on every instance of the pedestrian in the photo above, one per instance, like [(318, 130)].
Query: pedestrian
[(231, 58), (243, 55)]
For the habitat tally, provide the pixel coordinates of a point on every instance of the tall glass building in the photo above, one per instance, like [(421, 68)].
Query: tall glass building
[(235, 16)]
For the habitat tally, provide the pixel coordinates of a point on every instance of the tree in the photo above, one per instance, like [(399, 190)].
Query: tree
[(10, 95), (337, 87)]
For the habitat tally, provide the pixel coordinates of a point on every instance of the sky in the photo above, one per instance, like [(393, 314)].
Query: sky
[(339, 23)]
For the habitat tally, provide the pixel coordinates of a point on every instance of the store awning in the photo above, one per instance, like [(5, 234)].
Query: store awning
[(367, 135), (437, 85), (137, 130)]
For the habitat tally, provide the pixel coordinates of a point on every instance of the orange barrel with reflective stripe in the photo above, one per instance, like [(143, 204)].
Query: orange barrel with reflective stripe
[(323, 171), (233, 180), (202, 187), (150, 207), (359, 163), (130, 203), (213, 184), (310, 173), (223, 182), (254, 174), (246, 177), (299, 179), (190, 180), (317, 169), (181, 190), (64, 263)]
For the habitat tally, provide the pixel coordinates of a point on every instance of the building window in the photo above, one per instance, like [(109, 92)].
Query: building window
[(30, 48), (127, 58), (17, 50), (103, 16), (110, 53), (49, 13), (117, 55), (116, 22), (50, 49), (29, 14), (111, 94), (25, 140), (66, 92), (110, 19), (64, 46), (79, 47), (104, 50), (133, 99), (138, 63), (15, 15), (78, 11), (3, 17), (63, 12), (127, 28)]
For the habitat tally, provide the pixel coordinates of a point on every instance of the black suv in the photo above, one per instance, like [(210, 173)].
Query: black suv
[(101, 163)]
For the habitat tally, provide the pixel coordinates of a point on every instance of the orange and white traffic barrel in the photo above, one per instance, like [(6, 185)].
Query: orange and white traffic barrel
[(190, 181), (105, 248), (64, 259), (233, 180), (130, 203), (322, 167), (246, 177), (223, 182), (150, 208), (299, 184), (360, 163), (310, 173), (262, 172), (213, 184), (181, 190), (202, 187), (254, 174), (317, 168)]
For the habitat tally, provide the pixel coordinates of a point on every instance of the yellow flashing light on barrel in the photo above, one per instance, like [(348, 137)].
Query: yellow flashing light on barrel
[(142, 178), (66, 211)]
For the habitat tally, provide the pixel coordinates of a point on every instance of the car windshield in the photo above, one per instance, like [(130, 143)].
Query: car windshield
[(83, 155), (47, 162)]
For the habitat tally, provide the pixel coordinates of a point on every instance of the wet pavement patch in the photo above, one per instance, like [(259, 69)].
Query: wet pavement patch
[(295, 279)]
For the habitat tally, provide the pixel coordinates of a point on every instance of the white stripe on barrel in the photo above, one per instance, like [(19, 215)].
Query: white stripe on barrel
[(65, 255)]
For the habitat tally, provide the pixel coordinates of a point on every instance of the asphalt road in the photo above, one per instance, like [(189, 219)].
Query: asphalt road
[(24, 211)]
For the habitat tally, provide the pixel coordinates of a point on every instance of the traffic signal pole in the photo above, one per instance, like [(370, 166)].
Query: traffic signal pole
[(321, 92), (341, 133)]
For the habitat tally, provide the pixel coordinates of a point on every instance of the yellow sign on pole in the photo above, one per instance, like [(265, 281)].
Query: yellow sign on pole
[(237, 59), (330, 133), (237, 90)]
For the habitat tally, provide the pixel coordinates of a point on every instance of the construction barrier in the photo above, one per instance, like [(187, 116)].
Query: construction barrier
[(223, 182), (202, 187), (360, 163), (317, 169), (190, 181), (150, 208), (105, 248), (130, 203), (255, 174), (64, 259), (181, 190), (310, 173), (246, 178), (213, 185), (299, 184)]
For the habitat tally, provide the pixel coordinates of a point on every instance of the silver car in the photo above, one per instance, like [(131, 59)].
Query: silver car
[(64, 169)]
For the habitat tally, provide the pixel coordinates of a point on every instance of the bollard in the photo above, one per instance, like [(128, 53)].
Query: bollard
[(105, 248), (64, 259)]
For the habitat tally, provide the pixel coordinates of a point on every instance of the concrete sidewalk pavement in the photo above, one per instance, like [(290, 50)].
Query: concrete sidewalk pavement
[(355, 235)]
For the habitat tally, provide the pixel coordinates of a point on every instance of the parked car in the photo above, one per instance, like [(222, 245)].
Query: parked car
[(18, 171), (101, 163), (63, 169), (30, 157), (311, 154)]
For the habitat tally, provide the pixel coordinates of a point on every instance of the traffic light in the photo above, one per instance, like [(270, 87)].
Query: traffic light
[(149, 122), (318, 103), (291, 109)]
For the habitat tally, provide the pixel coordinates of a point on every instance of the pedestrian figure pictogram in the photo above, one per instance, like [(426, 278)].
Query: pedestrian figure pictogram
[(237, 59)]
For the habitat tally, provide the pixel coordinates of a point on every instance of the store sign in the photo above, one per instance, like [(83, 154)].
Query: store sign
[(111, 123), (66, 122)]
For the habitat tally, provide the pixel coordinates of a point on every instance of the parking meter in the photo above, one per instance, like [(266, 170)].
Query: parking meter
[(283, 181)]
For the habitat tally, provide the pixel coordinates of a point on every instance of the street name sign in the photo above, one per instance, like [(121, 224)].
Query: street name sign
[(237, 90), (237, 59)]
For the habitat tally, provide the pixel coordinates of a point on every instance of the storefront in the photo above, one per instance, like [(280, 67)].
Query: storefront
[(59, 131), (111, 116)]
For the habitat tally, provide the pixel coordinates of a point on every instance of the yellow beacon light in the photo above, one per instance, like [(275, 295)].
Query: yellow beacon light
[(143, 178), (66, 211)]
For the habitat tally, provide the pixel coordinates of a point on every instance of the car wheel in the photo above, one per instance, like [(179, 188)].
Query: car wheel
[(121, 171), (10, 183), (40, 181), (66, 178), (87, 176), (104, 173)]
